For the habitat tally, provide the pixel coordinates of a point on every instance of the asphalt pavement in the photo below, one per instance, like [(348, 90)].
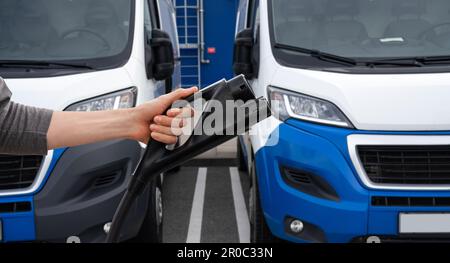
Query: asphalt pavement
[(206, 203)]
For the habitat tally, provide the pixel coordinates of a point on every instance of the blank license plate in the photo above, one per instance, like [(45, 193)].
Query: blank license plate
[(411, 223)]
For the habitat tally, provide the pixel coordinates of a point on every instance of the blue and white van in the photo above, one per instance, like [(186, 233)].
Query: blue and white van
[(360, 92), (81, 55)]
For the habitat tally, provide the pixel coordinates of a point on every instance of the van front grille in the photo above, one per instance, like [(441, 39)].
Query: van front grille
[(411, 201), (18, 172), (408, 165)]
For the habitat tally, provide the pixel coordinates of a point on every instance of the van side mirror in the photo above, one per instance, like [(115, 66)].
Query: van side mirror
[(161, 62), (243, 53)]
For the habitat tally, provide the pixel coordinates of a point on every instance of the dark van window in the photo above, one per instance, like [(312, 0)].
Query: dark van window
[(364, 28), (64, 30)]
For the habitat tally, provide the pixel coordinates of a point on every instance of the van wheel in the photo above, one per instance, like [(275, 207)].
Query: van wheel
[(241, 162), (152, 228), (259, 231)]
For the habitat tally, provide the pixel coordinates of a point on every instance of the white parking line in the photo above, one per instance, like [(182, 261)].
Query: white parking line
[(243, 224), (195, 222)]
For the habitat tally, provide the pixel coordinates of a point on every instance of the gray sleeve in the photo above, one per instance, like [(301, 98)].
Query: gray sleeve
[(23, 129)]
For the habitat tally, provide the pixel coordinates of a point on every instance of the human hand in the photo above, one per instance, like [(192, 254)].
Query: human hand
[(151, 122)]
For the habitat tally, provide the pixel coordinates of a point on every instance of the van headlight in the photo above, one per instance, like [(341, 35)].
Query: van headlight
[(118, 100), (286, 104)]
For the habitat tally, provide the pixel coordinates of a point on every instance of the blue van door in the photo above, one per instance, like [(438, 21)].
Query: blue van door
[(219, 32)]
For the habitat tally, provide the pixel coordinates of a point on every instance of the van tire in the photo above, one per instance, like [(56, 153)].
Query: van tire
[(241, 162), (152, 228), (259, 231)]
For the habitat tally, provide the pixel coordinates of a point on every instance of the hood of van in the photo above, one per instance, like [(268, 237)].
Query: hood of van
[(57, 93), (403, 102)]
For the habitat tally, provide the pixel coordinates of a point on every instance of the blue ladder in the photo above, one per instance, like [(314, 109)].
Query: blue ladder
[(187, 12)]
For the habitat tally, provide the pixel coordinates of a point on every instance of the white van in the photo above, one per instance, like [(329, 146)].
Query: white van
[(82, 55), (360, 91)]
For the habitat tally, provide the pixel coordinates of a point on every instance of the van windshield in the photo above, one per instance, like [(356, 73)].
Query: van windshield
[(65, 30), (364, 28)]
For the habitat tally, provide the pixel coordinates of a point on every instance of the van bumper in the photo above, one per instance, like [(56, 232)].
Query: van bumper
[(79, 196), (349, 216)]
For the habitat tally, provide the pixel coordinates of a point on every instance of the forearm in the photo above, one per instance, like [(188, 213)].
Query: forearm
[(69, 129)]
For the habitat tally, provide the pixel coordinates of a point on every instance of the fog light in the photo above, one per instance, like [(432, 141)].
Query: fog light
[(107, 227), (296, 226)]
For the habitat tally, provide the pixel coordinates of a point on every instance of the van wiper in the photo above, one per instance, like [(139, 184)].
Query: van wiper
[(320, 55), (435, 60), (42, 64), (399, 62), (411, 61)]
